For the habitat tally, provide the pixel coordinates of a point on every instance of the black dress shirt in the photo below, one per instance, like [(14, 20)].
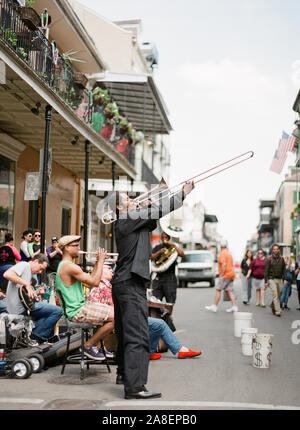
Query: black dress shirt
[(132, 237)]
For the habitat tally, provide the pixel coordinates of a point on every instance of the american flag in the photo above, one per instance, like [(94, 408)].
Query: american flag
[(280, 155), (291, 143)]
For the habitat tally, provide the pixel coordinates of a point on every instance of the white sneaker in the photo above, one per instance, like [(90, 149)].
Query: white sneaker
[(232, 309), (212, 308)]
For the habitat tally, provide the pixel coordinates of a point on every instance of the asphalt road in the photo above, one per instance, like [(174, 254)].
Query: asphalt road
[(222, 378)]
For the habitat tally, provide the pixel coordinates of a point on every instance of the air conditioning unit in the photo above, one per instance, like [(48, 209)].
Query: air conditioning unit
[(150, 53)]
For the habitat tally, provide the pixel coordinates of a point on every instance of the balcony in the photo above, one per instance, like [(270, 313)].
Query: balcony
[(33, 48)]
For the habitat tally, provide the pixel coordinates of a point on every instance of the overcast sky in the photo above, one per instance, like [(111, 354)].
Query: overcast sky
[(229, 72)]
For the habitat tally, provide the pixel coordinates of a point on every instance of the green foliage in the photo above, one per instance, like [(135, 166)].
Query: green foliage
[(100, 96), (20, 51), (29, 3), (69, 58), (9, 36)]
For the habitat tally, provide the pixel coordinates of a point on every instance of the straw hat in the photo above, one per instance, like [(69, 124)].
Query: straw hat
[(66, 240)]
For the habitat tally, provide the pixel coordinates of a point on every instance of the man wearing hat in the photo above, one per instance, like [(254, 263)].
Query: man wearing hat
[(54, 255), (69, 280)]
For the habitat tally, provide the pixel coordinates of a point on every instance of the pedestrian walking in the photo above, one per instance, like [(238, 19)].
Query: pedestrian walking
[(297, 275), (257, 272), (275, 275), (226, 278), (246, 281), (286, 290)]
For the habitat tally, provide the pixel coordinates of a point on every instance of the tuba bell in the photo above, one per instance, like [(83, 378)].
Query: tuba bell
[(165, 260)]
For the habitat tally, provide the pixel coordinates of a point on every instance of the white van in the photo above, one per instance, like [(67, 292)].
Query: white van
[(196, 266)]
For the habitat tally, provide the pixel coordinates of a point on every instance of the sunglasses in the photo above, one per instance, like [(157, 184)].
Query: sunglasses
[(37, 235)]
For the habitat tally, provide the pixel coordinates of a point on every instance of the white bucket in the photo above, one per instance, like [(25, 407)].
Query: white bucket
[(241, 320), (247, 339), (262, 350)]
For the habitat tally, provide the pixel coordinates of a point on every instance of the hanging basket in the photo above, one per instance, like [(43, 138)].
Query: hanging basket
[(30, 17)]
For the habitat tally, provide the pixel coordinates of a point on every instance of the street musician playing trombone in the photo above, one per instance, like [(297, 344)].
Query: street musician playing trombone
[(133, 223)]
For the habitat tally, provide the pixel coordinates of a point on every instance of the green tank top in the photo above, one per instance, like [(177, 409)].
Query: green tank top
[(73, 294)]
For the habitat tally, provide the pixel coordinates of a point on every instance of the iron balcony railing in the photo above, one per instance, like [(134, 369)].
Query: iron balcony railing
[(31, 45)]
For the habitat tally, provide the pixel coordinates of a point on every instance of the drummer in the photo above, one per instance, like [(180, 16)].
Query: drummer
[(165, 283)]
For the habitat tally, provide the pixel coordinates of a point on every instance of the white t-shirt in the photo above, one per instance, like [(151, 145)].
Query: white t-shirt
[(13, 302)]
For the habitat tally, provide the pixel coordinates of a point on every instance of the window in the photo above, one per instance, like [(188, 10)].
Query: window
[(33, 215), (197, 258), (65, 221)]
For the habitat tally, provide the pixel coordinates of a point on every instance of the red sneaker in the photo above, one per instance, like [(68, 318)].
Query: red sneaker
[(155, 356), (188, 354)]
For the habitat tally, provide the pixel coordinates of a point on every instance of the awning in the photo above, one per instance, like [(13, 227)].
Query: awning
[(139, 100)]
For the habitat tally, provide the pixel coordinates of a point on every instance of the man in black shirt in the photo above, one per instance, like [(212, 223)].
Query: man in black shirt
[(54, 255), (165, 283), (132, 229)]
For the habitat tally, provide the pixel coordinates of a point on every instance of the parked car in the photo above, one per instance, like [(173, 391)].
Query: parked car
[(196, 266)]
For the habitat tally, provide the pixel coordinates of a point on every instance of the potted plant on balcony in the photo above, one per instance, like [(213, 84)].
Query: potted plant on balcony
[(29, 16), (100, 96), (123, 125), (111, 112)]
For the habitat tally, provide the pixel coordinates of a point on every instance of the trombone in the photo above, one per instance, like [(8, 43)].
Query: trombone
[(162, 190)]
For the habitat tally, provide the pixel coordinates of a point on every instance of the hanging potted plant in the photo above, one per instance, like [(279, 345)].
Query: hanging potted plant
[(111, 112), (123, 125), (100, 96), (29, 16)]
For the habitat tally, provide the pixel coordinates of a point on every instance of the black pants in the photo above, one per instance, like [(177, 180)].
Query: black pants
[(165, 285), (131, 327)]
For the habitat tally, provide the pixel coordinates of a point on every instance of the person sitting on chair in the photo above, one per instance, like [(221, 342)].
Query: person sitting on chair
[(44, 315), (69, 280), (158, 328)]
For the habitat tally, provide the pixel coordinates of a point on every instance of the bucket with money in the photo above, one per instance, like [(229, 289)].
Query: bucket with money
[(241, 320), (247, 340), (262, 350)]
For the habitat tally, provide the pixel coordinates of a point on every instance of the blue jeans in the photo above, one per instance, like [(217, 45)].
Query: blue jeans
[(158, 328), (45, 317), (3, 306), (285, 293)]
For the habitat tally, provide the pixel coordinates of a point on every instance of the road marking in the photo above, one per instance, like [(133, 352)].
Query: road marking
[(196, 404), (18, 400)]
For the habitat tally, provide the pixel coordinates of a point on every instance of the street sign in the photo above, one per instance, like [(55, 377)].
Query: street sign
[(32, 186)]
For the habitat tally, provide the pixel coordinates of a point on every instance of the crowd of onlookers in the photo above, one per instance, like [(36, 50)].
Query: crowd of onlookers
[(257, 273), (29, 248)]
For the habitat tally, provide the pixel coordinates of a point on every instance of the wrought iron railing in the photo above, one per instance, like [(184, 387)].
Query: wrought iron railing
[(35, 49)]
